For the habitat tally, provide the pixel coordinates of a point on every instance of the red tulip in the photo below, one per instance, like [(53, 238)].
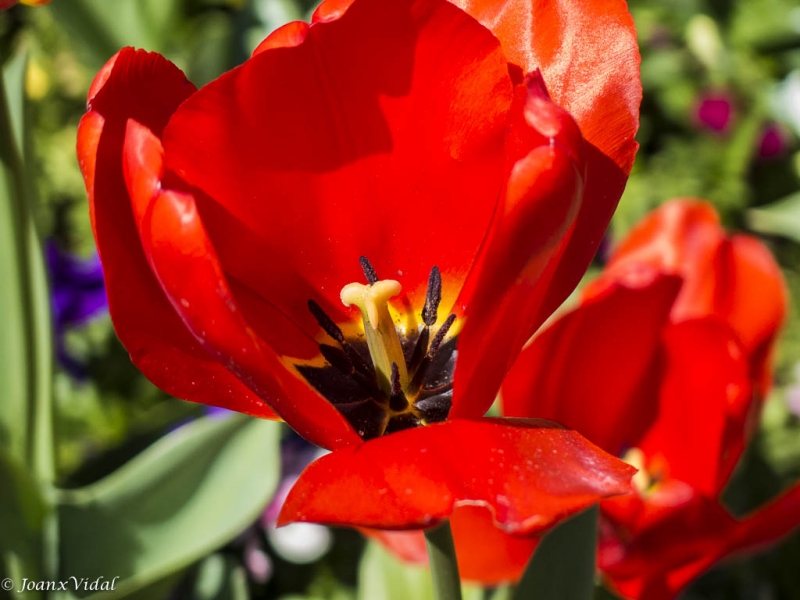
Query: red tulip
[(476, 167), (665, 361), (672, 347)]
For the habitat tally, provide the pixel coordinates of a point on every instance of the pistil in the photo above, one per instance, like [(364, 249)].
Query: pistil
[(381, 333)]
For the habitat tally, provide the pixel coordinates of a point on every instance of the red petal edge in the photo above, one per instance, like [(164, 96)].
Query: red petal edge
[(185, 262), (485, 553), (528, 473), (149, 88), (504, 291)]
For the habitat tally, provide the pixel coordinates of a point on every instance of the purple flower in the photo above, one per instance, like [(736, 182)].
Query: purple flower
[(774, 141), (77, 295), (714, 111)]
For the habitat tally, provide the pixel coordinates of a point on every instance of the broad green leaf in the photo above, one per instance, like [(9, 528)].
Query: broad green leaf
[(563, 565), (22, 518), (381, 576), (26, 437), (183, 497), (779, 218), (25, 346)]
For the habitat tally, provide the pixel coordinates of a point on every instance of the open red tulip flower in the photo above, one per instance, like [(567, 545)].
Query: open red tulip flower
[(358, 229), (672, 344)]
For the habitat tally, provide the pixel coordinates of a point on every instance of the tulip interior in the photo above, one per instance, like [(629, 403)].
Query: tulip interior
[(394, 373)]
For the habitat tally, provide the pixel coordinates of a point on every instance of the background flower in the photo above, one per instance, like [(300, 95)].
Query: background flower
[(78, 294)]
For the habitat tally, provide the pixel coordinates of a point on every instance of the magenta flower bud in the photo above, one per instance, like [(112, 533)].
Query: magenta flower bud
[(714, 111)]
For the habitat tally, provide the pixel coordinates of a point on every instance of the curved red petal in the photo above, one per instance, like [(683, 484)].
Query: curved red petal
[(642, 557), (589, 58), (291, 34), (330, 10), (588, 55), (368, 138), (185, 262), (409, 546), (684, 237), (485, 553), (704, 403), (504, 289), (528, 473), (135, 84), (597, 369), (769, 523), (752, 297)]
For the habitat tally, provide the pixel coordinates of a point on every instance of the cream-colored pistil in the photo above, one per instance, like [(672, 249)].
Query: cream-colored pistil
[(382, 339)]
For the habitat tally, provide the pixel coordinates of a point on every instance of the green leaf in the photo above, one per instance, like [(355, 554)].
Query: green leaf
[(782, 217), (26, 436), (382, 577), (25, 346), (183, 497), (563, 565), (22, 519)]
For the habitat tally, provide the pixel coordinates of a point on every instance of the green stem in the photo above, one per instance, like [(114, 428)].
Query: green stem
[(444, 568)]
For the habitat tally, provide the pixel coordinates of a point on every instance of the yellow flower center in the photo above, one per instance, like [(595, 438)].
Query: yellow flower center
[(384, 380)]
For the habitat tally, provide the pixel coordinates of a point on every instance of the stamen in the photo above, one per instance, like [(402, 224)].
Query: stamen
[(420, 371), (369, 271), (439, 337), (338, 358), (434, 408), (332, 329), (327, 324), (396, 387), (342, 361), (432, 297), (420, 349), (397, 400)]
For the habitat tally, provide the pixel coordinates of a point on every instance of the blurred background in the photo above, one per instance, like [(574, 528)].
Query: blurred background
[(720, 120)]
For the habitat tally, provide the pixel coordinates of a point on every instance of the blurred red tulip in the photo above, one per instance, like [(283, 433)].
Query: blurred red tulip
[(665, 361), (474, 156)]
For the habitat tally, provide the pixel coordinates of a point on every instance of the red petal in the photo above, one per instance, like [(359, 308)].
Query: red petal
[(596, 369), (684, 238), (291, 34), (588, 55), (650, 561), (704, 403), (589, 58), (662, 548), (528, 473), (185, 262), (769, 523), (681, 237), (149, 88), (486, 554), (539, 204), (368, 138), (753, 299)]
